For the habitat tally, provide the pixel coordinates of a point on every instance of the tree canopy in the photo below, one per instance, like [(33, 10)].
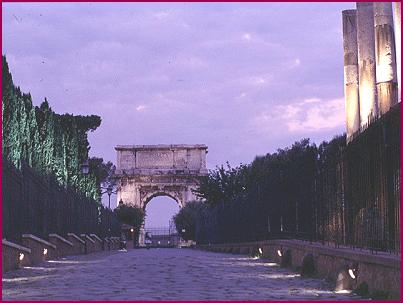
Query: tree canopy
[(131, 215), (186, 220), (273, 194), (51, 143)]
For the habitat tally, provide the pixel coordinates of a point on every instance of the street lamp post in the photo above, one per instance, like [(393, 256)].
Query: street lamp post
[(85, 168), (109, 191)]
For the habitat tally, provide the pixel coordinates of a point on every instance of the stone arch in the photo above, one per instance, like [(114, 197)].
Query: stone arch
[(147, 171), (160, 193)]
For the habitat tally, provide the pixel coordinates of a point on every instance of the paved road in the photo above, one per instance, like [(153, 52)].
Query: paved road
[(162, 274)]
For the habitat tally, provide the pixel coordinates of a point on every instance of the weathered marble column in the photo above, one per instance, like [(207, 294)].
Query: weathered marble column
[(366, 63), (398, 41), (385, 52), (351, 93)]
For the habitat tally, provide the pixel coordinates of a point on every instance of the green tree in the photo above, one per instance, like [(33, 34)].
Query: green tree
[(103, 173), (223, 185), (48, 142), (186, 220), (130, 214)]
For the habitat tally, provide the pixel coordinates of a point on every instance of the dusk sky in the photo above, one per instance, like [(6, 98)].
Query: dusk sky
[(243, 78)]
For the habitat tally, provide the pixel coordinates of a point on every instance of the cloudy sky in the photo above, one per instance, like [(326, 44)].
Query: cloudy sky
[(243, 78)]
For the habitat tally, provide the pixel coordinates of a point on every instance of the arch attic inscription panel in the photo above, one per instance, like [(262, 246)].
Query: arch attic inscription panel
[(147, 171)]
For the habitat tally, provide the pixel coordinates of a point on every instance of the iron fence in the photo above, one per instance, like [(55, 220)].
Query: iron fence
[(37, 204), (349, 197), (163, 236), (358, 196)]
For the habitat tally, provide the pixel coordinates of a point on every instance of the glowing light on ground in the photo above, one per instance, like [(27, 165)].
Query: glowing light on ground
[(343, 291), (270, 264)]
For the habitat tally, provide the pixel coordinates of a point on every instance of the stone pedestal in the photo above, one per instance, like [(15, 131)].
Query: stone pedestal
[(79, 244), (14, 255), (64, 246), (41, 250)]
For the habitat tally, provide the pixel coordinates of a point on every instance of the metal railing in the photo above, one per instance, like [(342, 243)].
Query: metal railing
[(37, 204)]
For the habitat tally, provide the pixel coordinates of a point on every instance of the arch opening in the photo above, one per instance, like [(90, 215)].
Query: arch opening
[(159, 228), (160, 209)]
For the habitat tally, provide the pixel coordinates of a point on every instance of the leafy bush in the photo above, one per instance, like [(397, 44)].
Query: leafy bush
[(186, 220), (131, 215)]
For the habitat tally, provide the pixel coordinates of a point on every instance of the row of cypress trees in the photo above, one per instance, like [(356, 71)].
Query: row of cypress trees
[(51, 143)]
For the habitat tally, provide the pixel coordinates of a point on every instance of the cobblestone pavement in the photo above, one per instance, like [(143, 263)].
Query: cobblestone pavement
[(162, 274)]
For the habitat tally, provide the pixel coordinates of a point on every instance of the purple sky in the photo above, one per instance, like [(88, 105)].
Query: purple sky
[(243, 78)]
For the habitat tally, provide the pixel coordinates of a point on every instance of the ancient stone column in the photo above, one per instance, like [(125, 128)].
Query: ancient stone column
[(351, 93), (366, 63), (398, 41), (385, 52)]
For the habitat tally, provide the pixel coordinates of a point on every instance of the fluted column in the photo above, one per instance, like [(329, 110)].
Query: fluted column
[(366, 63), (385, 53), (351, 93), (398, 41)]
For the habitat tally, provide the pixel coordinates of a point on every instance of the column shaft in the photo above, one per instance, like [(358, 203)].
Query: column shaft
[(385, 52), (398, 41), (366, 63), (351, 93)]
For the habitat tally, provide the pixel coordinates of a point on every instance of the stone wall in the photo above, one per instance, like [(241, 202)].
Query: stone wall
[(98, 242), (41, 250), (381, 271), (79, 244), (63, 246), (13, 255), (90, 245), (36, 250)]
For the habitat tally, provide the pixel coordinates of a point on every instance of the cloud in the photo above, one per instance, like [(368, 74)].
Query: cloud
[(297, 62), (162, 14), (247, 36), (224, 74), (309, 115), (141, 108)]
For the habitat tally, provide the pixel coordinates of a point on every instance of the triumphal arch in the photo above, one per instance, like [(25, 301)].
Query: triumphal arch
[(146, 171)]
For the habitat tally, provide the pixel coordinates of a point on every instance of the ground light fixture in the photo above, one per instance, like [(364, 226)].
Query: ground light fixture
[(21, 256), (353, 271), (45, 251)]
